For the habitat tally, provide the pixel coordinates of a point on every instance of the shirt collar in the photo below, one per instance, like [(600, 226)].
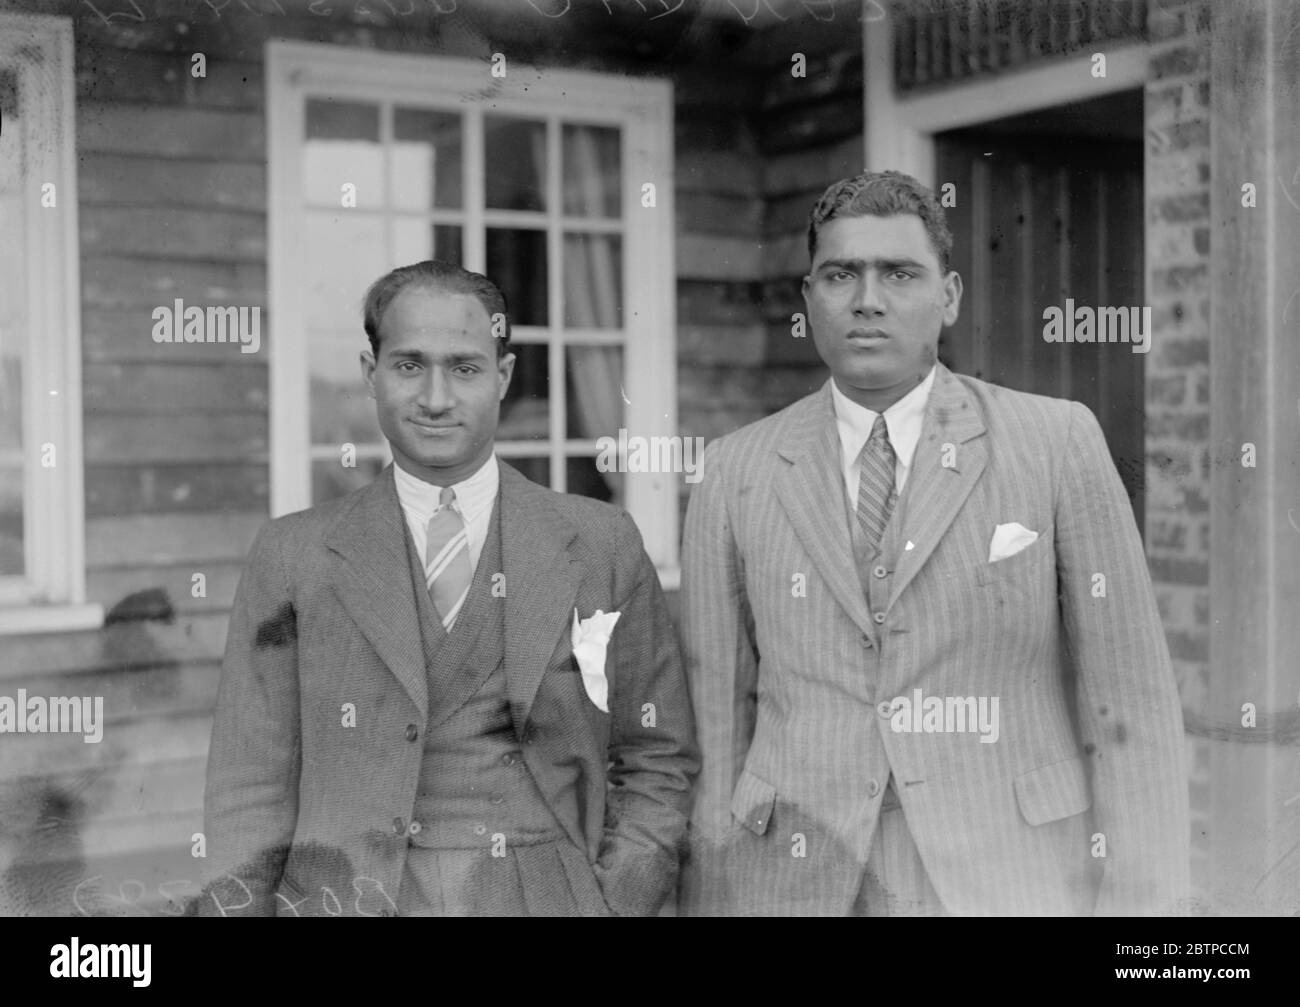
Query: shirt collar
[(473, 494), (903, 420)]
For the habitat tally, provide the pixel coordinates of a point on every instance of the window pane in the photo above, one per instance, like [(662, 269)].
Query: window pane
[(426, 159), (516, 262), (594, 386), (344, 254), (593, 281), (342, 411), (415, 240), (342, 147), (514, 153), (447, 243), (536, 469), (329, 479), (585, 480), (524, 413), (592, 171)]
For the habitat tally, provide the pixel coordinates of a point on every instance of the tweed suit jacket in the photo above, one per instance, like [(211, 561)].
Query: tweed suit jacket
[(1079, 806), (325, 615)]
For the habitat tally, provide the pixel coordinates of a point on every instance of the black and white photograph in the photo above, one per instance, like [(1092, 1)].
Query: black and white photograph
[(654, 458)]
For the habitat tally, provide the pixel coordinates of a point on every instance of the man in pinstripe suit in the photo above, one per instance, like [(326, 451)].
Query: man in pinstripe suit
[(925, 658)]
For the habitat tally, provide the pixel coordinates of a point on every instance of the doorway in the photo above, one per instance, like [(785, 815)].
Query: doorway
[(1049, 206)]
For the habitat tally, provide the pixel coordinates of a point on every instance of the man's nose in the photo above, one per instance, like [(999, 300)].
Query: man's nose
[(436, 396), (869, 296)]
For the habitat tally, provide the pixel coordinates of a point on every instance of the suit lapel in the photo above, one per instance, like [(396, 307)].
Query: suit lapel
[(541, 582), (934, 492), (372, 579), (811, 491)]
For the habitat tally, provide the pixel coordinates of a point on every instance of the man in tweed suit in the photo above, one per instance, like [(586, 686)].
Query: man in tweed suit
[(403, 727), (924, 652)]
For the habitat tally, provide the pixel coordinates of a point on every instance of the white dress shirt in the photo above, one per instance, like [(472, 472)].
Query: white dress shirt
[(474, 499), (902, 420)]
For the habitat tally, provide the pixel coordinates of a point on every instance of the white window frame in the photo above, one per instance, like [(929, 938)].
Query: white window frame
[(642, 107), (51, 595)]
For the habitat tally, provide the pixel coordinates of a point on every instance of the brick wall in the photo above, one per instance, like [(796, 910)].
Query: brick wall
[(1178, 445)]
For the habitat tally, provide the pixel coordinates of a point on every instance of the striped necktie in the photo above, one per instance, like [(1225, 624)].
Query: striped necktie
[(447, 570), (876, 493)]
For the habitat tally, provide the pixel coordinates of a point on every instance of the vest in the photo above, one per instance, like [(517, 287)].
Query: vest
[(474, 787), (876, 575)]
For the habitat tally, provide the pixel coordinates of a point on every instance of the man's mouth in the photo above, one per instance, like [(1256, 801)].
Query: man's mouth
[(440, 427), (866, 337)]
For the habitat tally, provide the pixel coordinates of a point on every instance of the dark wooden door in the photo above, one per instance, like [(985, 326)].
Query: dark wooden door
[(1039, 219)]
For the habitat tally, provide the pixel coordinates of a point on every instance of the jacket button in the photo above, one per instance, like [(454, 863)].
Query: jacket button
[(508, 759), (885, 708), (497, 799), (866, 641), (879, 617), (880, 571), (873, 787), (399, 826), (415, 828), (412, 732), (480, 829)]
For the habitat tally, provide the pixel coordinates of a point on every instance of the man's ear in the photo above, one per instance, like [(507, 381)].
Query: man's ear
[(505, 370), (368, 370), (803, 288), (952, 291)]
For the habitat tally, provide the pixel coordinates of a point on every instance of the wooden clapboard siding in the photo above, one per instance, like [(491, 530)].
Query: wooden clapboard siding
[(125, 335), (109, 586), (135, 180), (718, 177), (215, 436), (147, 281), (114, 74), (150, 539), (134, 694), (180, 385), (113, 490), (196, 637), (811, 136), (140, 742), (174, 233), (166, 131)]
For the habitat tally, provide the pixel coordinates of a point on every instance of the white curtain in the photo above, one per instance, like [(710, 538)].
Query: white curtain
[(591, 293)]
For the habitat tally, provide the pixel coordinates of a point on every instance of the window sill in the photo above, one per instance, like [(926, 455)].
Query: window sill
[(34, 619)]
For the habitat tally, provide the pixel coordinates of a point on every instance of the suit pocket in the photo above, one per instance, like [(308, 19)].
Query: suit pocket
[(752, 802), (1022, 568), (1052, 792)]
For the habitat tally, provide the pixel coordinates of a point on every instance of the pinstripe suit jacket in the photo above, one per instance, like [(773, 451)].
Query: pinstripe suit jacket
[(1090, 758), (326, 615)]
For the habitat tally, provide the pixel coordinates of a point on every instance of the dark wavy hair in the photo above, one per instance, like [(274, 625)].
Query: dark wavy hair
[(433, 274), (882, 194)]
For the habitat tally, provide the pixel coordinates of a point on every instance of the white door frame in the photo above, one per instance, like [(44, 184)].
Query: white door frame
[(900, 133)]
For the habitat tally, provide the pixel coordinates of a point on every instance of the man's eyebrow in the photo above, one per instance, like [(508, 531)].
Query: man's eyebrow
[(858, 265), (473, 356)]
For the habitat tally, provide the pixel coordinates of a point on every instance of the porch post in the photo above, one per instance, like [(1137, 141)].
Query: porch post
[(1255, 512)]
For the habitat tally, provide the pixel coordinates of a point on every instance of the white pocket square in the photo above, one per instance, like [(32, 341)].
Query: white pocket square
[(590, 638), (1009, 539)]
